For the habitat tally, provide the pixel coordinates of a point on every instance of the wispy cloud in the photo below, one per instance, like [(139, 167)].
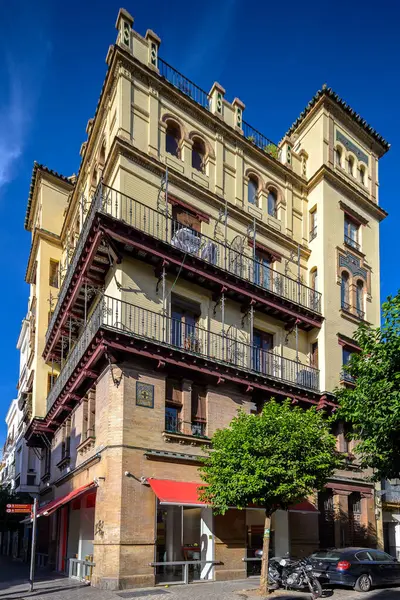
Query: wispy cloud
[(14, 119), (22, 69)]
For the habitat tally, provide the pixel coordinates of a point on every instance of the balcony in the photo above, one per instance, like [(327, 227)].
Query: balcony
[(158, 237), (353, 243), (163, 332), (354, 311), (202, 98), (347, 378)]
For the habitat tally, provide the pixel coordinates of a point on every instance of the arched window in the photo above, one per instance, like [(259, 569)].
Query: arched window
[(351, 165), (198, 154), (345, 291), (252, 190), (172, 138), (272, 202), (360, 299), (314, 280), (102, 155), (338, 156), (362, 175)]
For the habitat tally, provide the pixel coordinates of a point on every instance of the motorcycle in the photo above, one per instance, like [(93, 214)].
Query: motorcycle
[(294, 575)]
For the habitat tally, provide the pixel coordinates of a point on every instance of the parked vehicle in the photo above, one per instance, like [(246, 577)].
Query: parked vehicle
[(359, 568), (293, 575)]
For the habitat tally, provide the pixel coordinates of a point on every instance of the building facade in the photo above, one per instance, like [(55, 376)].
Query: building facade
[(192, 268)]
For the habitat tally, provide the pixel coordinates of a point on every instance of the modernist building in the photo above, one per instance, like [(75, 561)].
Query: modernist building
[(192, 268)]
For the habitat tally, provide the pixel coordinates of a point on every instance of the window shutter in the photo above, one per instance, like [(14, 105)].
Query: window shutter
[(174, 392), (199, 404)]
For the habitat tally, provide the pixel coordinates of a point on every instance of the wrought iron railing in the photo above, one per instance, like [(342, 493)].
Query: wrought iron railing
[(260, 140), (313, 234), (345, 376), (354, 310), (157, 224), (114, 314), (183, 84), (353, 243)]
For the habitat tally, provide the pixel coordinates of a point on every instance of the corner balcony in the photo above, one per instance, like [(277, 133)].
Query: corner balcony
[(118, 225), (117, 328)]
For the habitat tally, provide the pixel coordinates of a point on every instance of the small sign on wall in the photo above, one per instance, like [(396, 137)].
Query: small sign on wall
[(144, 394)]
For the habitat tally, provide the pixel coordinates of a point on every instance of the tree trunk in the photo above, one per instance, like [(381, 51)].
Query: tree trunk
[(264, 560)]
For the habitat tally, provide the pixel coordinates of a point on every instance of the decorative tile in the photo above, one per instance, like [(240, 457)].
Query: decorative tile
[(144, 394)]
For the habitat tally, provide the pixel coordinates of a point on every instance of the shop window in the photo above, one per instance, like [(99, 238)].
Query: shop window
[(54, 280), (272, 203), (252, 190), (172, 139), (198, 154)]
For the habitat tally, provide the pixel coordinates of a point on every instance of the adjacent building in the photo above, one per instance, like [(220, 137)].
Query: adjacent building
[(191, 268)]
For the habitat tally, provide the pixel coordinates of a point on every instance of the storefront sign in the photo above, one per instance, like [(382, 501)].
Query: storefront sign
[(19, 508)]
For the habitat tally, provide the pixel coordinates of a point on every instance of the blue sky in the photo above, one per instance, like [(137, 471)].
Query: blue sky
[(272, 55)]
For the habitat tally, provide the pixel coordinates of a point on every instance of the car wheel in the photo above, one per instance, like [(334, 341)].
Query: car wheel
[(363, 583)]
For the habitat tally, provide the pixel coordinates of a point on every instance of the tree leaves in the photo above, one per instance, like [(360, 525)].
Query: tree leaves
[(271, 460), (372, 407)]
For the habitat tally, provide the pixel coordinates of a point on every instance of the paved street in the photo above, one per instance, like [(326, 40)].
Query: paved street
[(14, 585)]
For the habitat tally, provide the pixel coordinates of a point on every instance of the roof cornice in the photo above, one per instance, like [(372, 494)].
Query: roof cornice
[(325, 172), (39, 234), (37, 170), (326, 93)]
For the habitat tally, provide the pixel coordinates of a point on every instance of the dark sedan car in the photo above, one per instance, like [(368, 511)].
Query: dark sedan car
[(359, 568)]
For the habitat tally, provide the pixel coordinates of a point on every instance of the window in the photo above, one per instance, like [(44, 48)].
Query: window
[(263, 344), (313, 225), (252, 190), (198, 410), (46, 461), (338, 157), (350, 166), (30, 479), (263, 270), (351, 232), (345, 291), (314, 280), (172, 139), (51, 379), (360, 299), (314, 355), (362, 175), (380, 556), (345, 376), (184, 331), (364, 556), (198, 155), (183, 218), (314, 297), (272, 203), (89, 414), (355, 503), (173, 406), (66, 439), (54, 273)]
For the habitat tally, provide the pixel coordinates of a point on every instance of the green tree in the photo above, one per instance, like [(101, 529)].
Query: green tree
[(270, 460), (372, 407)]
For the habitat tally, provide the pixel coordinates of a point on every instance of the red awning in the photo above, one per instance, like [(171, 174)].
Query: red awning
[(50, 507), (176, 492), (304, 507), (187, 493)]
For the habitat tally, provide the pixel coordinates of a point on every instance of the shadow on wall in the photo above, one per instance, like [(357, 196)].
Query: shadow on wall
[(343, 530)]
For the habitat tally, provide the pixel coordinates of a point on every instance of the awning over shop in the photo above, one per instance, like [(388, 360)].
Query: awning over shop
[(50, 507), (187, 493), (176, 492)]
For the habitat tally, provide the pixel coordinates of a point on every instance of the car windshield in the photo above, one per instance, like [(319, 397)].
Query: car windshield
[(330, 555)]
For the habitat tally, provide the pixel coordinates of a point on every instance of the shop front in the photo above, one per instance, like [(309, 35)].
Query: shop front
[(72, 521)]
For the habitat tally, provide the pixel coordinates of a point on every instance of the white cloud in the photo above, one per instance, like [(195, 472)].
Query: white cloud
[(13, 123)]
